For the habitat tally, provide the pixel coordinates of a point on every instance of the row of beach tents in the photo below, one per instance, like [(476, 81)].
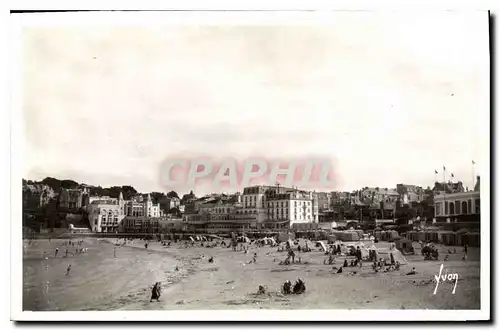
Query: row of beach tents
[(347, 235), (458, 238), (386, 235), (263, 241)]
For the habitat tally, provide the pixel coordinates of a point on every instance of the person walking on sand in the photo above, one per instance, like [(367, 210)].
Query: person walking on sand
[(114, 252), (255, 257), (156, 292), (66, 253), (68, 270), (57, 251)]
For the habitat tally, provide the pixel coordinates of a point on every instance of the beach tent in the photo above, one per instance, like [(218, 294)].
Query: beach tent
[(331, 238), (191, 238), (404, 245), (322, 244), (398, 256), (352, 246), (472, 239), (272, 241)]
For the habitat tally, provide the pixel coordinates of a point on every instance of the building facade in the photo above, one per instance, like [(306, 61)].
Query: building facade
[(106, 214), (73, 198), (457, 207), (410, 193)]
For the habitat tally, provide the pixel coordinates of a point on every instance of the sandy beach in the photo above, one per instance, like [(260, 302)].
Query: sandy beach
[(100, 281)]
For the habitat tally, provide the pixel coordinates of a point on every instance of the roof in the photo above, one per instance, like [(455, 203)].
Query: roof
[(448, 187)]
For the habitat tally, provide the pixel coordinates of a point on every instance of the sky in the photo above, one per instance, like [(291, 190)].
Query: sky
[(390, 98)]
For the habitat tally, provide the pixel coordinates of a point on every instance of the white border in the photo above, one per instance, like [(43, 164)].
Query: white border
[(152, 18)]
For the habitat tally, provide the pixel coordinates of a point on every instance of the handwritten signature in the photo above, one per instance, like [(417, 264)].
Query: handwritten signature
[(444, 277)]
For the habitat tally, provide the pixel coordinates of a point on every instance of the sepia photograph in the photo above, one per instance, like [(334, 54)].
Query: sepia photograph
[(316, 165)]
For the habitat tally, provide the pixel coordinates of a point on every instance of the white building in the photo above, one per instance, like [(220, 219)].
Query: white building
[(116, 215), (291, 207), (106, 214)]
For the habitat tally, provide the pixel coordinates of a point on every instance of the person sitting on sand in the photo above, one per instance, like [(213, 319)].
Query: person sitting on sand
[(156, 292), (287, 287), (340, 270), (211, 259), (345, 263), (262, 290), (412, 272), (299, 287)]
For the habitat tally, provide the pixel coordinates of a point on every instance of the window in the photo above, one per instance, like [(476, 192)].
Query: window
[(464, 207), (469, 206), (478, 208), (438, 209)]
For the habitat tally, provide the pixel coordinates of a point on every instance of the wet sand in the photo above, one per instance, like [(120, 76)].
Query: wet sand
[(98, 281)]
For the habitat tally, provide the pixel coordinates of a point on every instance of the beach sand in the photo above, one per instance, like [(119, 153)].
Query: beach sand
[(99, 281)]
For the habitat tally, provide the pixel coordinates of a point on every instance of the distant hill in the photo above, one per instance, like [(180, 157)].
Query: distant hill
[(113, 191)]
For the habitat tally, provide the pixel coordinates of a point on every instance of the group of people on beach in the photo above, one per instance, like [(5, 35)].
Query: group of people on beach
[(298, 288)]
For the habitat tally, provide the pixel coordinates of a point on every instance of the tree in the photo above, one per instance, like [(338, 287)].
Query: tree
[(128, 192), (172, 194), (157, 196)]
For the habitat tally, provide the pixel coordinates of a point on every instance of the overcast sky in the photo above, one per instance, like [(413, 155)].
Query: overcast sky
[(390, 98)]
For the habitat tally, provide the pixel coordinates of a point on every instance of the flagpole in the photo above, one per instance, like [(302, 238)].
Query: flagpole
[(473, 174), (444, 193)]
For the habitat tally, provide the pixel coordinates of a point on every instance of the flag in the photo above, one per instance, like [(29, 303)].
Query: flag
[(473, 162), (435, 171), (444, 168)]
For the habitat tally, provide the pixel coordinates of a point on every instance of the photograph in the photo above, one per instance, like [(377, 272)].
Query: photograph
[(250, 165)]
